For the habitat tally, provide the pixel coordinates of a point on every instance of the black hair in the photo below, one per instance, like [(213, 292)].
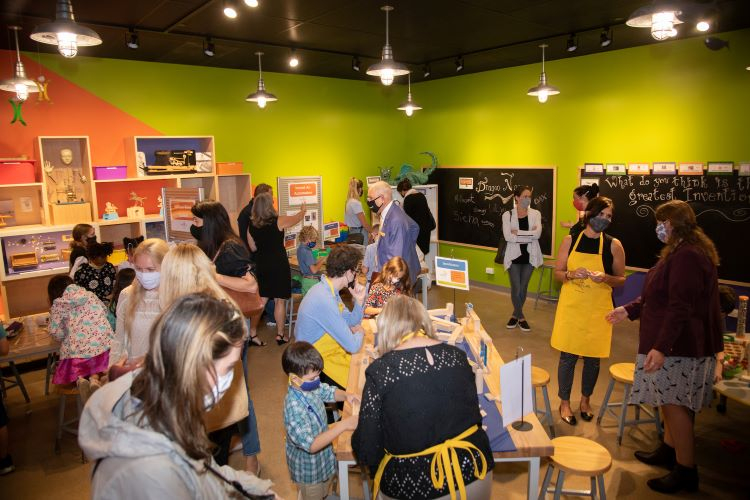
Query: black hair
[(403, 186), (518, 190), (262, 188), (595, 207), (131, 242), (301, 358), (343, 258), (727, 299), (95, 250), (216, 226), (590, 191), (57, 285), (123, 279)]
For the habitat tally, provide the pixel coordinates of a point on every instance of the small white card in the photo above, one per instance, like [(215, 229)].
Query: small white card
[(743, 169), (593, 168), (721, 167), (665, 168), (465, 183), (691, 168), (638, 169), (616, 169)]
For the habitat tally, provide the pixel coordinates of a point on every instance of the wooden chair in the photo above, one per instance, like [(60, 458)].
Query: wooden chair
[(623, 373), (540, 379), (577, 456)]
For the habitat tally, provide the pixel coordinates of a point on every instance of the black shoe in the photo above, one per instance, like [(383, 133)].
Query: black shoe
[(664, 456), (281, 340), (512, 323), (523, 325), (587, 416), (681, 478), (6, 465), (571, 420)]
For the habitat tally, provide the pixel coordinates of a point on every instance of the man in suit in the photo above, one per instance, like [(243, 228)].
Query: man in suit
[(398, 232)]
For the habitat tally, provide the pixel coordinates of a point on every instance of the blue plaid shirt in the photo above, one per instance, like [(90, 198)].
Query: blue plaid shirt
[(304, 420)]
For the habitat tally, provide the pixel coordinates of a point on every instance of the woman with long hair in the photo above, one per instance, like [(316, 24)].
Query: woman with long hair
[(392, 280), (588, 266), (266, 239), (680, 335), (418, 396), (138, 305), (354, 215), (146, 430)]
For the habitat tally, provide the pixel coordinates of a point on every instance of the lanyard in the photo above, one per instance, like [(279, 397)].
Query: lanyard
[(309, 406), (335, 296)]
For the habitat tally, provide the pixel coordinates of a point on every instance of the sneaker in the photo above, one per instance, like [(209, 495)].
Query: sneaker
[(6, 465), (523, 325), (270, 323), (512, 323)]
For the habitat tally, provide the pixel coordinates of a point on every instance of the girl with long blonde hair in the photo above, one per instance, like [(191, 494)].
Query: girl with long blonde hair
[(354, 215), (392, 280)]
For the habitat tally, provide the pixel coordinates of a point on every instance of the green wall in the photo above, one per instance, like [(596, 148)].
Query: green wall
[(673, 101)]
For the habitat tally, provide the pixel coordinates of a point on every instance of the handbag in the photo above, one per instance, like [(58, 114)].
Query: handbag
[(249, 303)]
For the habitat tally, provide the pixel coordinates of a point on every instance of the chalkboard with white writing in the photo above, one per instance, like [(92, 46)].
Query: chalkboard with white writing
[(472, 201), (721, 204)]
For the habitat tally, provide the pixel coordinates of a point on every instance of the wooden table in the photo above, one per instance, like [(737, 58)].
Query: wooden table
[(29, 345), (530, 445)]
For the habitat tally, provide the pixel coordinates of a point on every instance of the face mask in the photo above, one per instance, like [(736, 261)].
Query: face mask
[(310, 385), (218, 391), (525, 202), (196, 232), (599, 224), (373, 205), (579, 204), (311, 244), (395, 281), (90, 239), (149, 281), (661, 232), (351, 283)]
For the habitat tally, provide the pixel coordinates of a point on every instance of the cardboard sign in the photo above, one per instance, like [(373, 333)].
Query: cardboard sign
[(303, 192), (452, 273)]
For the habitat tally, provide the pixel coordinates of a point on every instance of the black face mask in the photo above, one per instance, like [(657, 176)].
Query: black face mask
[(90, 239), (196, 232), (352, 282), (373, 205)]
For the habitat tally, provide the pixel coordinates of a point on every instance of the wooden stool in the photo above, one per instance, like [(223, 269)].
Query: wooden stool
[(581, 456), (540, 379), (70, 426), (549, 294), (623, 373)]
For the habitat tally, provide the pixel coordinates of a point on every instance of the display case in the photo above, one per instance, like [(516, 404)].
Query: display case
[(170, 155), (35, 252)]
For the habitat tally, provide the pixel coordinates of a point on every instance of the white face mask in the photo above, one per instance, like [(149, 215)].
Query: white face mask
[(149, 281), (218, 391), (395, 281)]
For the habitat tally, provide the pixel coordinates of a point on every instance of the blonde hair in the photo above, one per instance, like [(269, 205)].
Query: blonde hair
[(185, 340), (355, 188), (308, 233), (186, 269), (391, 269), (156, 249), (263, 212), (401, 316)]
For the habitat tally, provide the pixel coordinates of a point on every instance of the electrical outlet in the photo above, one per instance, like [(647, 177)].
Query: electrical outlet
[(489, 270)]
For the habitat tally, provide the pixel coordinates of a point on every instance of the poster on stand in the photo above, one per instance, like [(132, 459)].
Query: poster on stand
[(303, 192), (179, 217), (330, 231), (452, 273)]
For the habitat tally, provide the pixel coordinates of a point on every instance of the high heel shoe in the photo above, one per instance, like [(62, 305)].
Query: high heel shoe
[(281, 340), (587, 416), (254, 341), (570, 420)]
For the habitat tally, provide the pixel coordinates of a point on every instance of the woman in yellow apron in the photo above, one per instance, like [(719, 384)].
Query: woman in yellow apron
[(589, 267), (324, 321)]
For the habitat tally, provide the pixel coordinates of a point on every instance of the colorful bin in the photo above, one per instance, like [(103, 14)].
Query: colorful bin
[(17, 171), (110, 173)]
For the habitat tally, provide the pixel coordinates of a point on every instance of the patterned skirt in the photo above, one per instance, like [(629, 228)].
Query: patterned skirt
[(681, 381), (68, 370)]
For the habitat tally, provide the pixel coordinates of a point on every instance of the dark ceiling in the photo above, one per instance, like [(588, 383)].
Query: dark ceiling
[(489, 34)]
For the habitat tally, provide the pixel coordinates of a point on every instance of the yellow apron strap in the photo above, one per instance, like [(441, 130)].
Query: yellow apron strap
[(445, 464), (408, 336)]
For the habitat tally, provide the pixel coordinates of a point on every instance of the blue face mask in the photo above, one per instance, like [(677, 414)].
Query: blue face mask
[(310, 385), (311, 244), (599, 224), (661, 232), (525, 202)]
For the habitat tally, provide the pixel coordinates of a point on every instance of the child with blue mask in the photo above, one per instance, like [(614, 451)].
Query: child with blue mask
[(309, 266), (309, 453)]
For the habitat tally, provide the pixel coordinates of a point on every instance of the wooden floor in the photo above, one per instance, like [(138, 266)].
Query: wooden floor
[(722, 441)]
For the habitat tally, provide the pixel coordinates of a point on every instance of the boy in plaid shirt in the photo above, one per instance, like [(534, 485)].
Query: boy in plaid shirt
[(309, 454)]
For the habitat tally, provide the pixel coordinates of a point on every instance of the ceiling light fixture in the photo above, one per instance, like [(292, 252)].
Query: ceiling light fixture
[(355, 63), (19, 84), (293, 60), (261, 96), (542, 91), (65, 32), (572, 43), (230, 8), (209, 48), (409, 107), (660, 16), (703, 26), (427, 71), (132, 39), (459, 63), (251, 3), (605, 38), (387, 68)]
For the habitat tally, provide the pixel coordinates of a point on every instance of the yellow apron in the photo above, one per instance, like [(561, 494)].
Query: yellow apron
[(335, 359), (580, 325), (445, 465)]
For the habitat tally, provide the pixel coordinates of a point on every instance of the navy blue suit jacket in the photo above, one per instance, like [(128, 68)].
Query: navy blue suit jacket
[(399, 238)]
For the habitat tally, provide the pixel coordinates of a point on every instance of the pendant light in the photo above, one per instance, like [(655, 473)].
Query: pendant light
[(19, 83), (409, 106), (261, 96), (387, 68), (65, 32), (543, 90), (660, 16)]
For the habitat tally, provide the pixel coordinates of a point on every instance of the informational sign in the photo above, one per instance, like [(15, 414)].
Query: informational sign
[(690, 169), (515, 389), (177, 203), (372, 180), (720, 167), (743, 169), (638, 169), (330, 231), (303, 192), (665, 168), (593, 168), (616, 169), (465, 183), (180, 215), (290, 241), (310, 219), (452, 273)]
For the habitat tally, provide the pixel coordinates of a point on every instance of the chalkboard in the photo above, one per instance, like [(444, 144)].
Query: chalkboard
[(721, 204), (472, 202)]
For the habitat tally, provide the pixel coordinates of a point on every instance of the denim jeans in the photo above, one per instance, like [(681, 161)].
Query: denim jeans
[(519, 274), (566, 369), (249, 426)]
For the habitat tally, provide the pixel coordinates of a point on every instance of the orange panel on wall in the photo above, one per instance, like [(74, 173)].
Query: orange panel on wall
[(119, 194)]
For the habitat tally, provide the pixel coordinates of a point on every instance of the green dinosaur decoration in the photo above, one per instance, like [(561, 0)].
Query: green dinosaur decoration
[(408, 172)]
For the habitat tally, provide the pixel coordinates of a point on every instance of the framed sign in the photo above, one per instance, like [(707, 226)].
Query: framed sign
[(452, 273), (177, 215)]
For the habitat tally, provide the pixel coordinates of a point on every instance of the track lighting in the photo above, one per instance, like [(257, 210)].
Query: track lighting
[(230, 8), (572, 44), (132, 39), (355, 63), (605, 39), (65, 32), (208, 47), (387, 68), (459, 63), (427, 71), (293, 60)]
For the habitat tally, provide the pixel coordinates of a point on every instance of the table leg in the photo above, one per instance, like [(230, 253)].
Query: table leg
[(344, 480), (533, 487), (19, 382), (50, 360)]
